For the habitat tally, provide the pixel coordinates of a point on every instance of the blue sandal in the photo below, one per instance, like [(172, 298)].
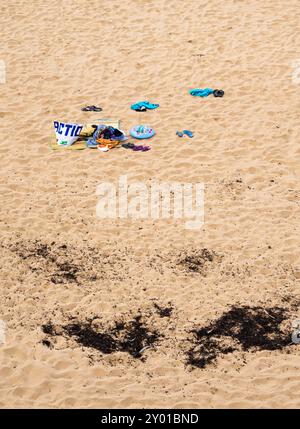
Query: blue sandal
[(188, 133)]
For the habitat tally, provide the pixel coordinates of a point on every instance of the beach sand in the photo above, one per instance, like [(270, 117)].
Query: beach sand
[(63, 55)]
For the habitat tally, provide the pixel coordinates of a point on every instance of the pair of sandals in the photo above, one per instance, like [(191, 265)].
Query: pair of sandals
[(137, 148), (143, 106), (188, 133), (91, 109)]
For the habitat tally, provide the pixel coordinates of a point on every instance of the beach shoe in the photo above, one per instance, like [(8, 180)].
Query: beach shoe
[(137, 148), (91, 109), (197, 92), (128, 145), (218, 93), (141, 148), (188, 133), (179, 133), (149, 105), (142, 106)]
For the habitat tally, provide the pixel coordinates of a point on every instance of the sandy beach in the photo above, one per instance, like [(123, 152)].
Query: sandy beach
[(109, 313)]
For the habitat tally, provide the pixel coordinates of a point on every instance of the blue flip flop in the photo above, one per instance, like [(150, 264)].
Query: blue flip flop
[(197, 92), (188, 133), (141, 106)]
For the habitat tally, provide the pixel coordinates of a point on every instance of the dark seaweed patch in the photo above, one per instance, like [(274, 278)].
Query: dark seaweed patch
[(137, 338), (244, 328), (88, 337), (206, 352), (66, 272), (60, 263), (34, 249), (196, 260), (132, 337)]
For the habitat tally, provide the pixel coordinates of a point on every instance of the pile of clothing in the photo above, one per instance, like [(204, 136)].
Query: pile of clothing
[(106, 136)]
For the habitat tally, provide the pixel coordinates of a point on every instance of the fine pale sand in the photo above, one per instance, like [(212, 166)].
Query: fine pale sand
[(63, 55)]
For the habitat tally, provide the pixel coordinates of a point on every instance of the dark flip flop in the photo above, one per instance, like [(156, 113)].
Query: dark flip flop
[(141, 148), (97, 109), (218, 93), (189, 133), (91, 109), (128, 145)]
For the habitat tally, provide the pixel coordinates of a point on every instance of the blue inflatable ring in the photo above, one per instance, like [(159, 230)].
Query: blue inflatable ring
[(142, 132)]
